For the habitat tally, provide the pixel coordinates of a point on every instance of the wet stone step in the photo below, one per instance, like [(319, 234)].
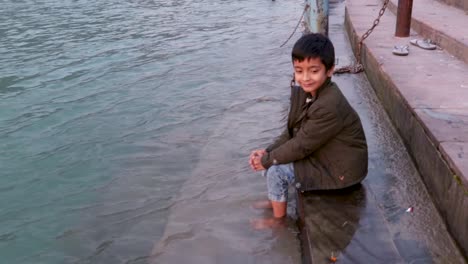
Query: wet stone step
[(390, 217), (349, 225)]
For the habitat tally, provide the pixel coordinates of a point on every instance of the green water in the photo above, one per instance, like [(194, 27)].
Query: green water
[(104, 107)]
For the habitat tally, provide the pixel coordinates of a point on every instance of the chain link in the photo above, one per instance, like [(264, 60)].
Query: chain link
[(306, 7), (369, 31), (358, 67)]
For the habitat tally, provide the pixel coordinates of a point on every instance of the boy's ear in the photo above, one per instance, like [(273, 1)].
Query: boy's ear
[(330, 71)]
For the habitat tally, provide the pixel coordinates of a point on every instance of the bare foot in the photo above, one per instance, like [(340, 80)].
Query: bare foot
[(267, 223), (264, 204)]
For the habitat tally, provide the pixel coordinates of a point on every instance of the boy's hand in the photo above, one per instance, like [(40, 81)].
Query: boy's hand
[(257, 163), (255, 159)]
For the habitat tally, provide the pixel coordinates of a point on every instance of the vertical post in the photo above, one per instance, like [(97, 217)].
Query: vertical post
[(316, 18), (403, 23)]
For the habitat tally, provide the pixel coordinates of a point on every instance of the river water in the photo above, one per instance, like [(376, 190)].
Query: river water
[(114, 115)]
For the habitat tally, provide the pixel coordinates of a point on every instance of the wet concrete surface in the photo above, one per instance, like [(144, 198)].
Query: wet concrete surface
[(390, 217), (210, 219), (425, 94)]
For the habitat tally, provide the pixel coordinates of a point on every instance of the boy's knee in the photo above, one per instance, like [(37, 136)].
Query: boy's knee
[(273, 172)]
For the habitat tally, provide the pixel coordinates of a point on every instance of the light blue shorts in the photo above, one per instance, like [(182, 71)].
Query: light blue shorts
[(279, 177)]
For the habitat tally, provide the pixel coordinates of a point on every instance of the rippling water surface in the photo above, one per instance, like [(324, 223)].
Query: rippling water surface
[(112, 111)]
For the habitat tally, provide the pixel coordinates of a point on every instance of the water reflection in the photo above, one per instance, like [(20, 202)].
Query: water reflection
[(332, 220)]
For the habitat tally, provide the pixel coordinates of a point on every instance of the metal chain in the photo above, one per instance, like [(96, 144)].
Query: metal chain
[(369, 31), (306, 7), (358, 67)]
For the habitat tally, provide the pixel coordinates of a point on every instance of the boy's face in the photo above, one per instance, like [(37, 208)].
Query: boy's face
[(311, 74)]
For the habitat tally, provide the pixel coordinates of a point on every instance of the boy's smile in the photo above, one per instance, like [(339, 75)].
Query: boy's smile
[(311, 74)]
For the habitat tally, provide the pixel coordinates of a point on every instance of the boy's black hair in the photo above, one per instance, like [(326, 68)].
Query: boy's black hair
[(314, 45)]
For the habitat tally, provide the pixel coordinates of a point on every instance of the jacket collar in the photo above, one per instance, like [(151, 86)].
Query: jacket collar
[(320, 89)]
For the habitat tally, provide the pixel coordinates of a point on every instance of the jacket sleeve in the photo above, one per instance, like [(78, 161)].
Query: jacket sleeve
[(320, 126)]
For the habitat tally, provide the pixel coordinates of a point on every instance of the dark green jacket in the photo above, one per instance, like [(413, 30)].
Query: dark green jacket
[(325, 140)]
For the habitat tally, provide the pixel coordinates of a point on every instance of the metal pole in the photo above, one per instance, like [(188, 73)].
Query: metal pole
[(316, 18), (403, 23)]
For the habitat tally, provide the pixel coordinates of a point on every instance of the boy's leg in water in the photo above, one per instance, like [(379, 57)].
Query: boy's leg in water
[(279, 177)]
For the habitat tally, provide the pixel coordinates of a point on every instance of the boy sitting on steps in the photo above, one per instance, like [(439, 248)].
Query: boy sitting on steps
[(323, 146)]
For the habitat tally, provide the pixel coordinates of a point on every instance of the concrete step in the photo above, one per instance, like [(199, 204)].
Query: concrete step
[(426, 96), (390, 217), (446, 25), (461, 4), (366, 224)]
